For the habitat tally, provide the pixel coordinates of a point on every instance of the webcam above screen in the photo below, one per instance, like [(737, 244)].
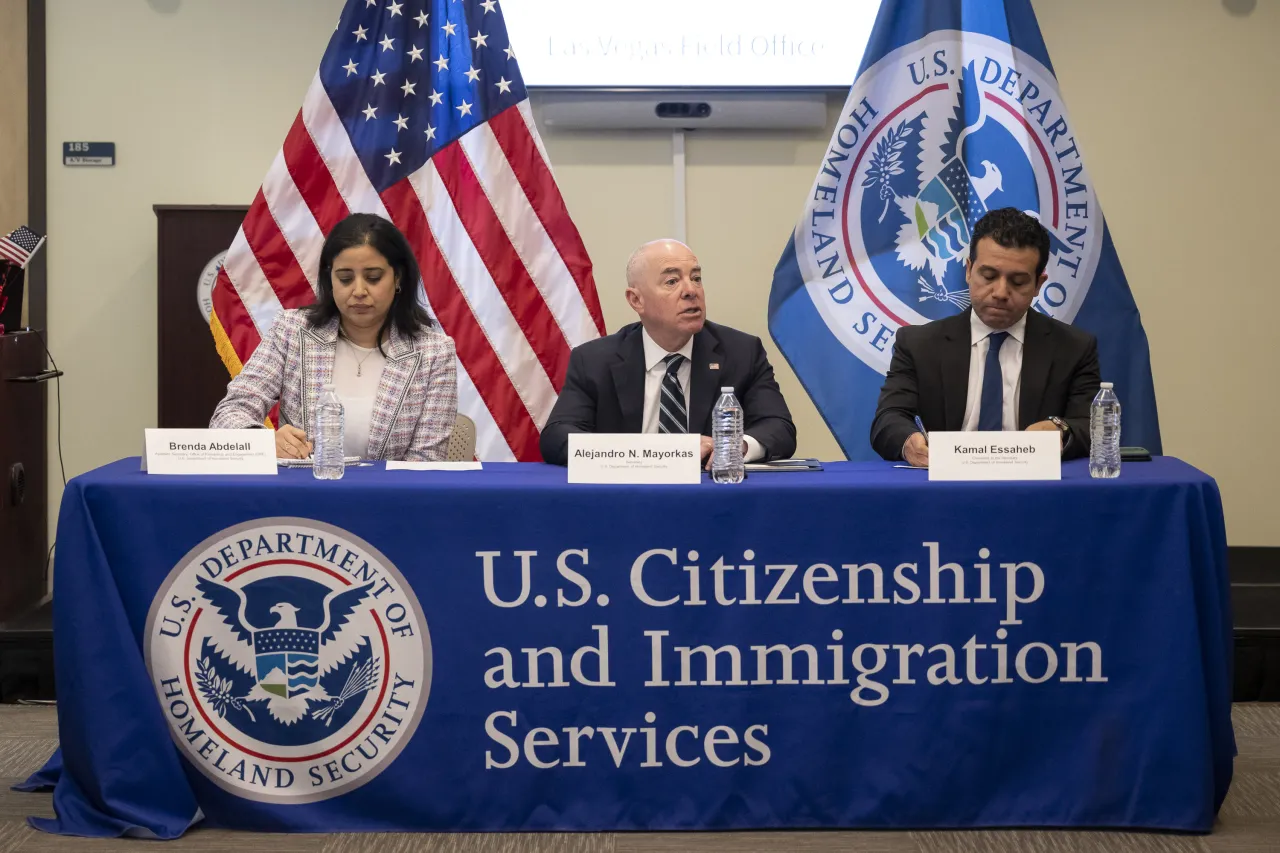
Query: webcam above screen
[(689, 44)]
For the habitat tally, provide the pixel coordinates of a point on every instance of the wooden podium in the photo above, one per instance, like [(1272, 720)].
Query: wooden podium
[(192, 378), (24, 534)]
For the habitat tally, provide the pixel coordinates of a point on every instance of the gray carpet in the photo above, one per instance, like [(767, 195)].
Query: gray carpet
[(1249, 821)]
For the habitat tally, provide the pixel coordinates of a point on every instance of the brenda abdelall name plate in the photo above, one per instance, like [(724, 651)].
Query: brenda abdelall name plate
[(644, 458), (210, 451), (995, 455)]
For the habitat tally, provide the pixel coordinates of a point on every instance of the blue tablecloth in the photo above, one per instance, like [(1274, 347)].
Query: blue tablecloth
[(792, 652)]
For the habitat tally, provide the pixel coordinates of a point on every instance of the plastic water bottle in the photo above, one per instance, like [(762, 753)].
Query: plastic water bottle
[(1104, 434), (327, 458), (726, 437)]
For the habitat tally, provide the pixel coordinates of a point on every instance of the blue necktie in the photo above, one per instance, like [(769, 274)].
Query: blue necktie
[(991, 407)]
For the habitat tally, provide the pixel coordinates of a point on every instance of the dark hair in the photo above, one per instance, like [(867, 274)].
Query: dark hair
[(367, 229), (1013, 229)]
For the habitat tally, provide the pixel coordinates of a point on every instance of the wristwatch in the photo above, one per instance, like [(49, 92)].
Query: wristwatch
[(1063, 430)]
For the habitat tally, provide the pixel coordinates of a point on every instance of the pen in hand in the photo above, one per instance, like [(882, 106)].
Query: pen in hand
[(923, 431)]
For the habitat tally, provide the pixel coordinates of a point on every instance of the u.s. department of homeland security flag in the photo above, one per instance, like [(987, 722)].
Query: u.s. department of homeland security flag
[(955, 111)]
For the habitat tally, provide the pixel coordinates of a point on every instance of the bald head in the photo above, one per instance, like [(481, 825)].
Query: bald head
[(664, 286), (646, 252)]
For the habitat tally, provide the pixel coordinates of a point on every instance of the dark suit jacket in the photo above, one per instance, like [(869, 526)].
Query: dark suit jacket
[(604, 390), (929, 377)]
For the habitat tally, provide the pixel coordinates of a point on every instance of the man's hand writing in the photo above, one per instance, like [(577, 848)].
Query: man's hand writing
[(916, 451)]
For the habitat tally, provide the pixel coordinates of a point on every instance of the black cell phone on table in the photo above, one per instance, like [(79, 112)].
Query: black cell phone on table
[(1135, 454)]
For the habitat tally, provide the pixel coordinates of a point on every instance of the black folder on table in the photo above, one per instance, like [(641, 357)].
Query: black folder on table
[(784, 465)]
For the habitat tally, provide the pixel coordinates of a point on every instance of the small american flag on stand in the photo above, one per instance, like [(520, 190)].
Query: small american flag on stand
[(418, 113), (20, 245)]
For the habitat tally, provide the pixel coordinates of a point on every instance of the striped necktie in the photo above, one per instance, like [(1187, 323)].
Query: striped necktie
[(672, 415)]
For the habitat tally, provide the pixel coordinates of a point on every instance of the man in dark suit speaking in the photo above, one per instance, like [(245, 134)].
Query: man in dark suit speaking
[(997, 366), (664, 374)]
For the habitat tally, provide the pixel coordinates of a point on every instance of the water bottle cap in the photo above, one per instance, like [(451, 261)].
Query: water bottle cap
[(728, 389), (1106, 386)]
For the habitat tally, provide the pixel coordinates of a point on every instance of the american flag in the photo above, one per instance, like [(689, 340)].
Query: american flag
[(418, 113), (21, 244)]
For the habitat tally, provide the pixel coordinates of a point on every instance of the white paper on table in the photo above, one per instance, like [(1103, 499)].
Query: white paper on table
[(433, 466)]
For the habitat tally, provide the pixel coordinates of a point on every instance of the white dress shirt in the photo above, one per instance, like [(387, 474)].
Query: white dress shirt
[(655, 369), (1010, 371), (357, 391)]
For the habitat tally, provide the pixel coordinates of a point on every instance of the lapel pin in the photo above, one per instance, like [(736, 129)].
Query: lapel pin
[(715, 365)]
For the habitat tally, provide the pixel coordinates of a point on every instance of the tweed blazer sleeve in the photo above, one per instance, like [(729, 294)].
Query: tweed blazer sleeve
[(430, 442), (252, 393)]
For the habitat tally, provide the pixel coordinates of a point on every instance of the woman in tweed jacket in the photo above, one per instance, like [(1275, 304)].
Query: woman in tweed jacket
[(367, 335)]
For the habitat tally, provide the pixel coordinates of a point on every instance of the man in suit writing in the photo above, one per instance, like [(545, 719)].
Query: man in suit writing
[(664, 373), (997, 365)]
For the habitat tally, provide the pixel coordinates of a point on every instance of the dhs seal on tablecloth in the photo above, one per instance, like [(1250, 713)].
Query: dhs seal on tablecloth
[(933, 136), (291, 659)]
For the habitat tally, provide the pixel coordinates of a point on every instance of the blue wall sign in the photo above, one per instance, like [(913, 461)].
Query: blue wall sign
[(88, 153)]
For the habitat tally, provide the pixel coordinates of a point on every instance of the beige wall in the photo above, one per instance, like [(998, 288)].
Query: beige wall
[(13, 118), (1169, 97), (197, 106)]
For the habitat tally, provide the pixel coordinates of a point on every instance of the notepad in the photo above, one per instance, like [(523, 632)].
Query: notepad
[(310, 463), (433, 466)]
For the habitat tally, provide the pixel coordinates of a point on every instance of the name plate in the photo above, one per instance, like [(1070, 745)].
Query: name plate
[(646, 458), (88, 153), (995, 456), (210, 451)]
